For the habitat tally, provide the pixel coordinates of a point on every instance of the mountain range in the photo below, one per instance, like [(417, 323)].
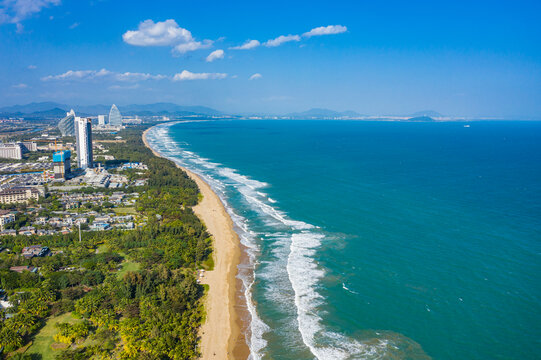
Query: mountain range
[(52, 110)]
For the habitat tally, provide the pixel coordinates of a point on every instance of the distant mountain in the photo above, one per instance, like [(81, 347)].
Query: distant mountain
[(51, 114), (429, 113), (323, 113), (421, 119), (168, 108), (52, 110), (32, 107)]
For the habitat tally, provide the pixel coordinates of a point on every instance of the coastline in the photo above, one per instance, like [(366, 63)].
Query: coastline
[(221, 335)]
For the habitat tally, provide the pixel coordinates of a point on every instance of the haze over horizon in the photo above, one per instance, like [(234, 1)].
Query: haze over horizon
[(458, 58)]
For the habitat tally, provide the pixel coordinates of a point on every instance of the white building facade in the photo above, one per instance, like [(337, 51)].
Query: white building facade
[(115, 118), (83, 134), (101, 120), (11, 151)]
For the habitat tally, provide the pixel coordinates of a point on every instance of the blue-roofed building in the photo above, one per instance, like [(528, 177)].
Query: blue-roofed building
[(62, 164), (99, 226)]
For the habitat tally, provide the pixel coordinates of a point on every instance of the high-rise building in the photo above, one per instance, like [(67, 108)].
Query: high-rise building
[(115, 118), (83, 134), (101, 120), (67, 124), (61, 164), (12, 151)]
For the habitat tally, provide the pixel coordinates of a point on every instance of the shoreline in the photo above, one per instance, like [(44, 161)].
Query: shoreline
[(221, 333)]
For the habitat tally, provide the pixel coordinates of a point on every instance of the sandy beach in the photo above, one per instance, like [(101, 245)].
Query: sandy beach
[(221, 336)]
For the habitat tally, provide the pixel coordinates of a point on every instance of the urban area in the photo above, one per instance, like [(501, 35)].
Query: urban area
[(90, 223)]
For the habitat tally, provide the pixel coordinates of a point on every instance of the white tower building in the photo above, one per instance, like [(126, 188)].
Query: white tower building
[(83, 134), (115, 118)]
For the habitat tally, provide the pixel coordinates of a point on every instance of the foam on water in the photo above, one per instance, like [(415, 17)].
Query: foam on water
[(295, 246)]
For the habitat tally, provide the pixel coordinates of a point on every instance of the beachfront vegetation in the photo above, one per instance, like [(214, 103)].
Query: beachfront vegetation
[(116, 294)]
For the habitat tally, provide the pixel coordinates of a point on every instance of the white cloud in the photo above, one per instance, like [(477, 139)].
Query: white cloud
[(32, 67), (78, 75), (256, 76), (281, 40), (20, 86), (74, 25), (14, 11), (119, 87), (249, 44), (83, 75), (215, 55), (326, 30), (192, 46), (164, 33), (129, 76), (187, 75)]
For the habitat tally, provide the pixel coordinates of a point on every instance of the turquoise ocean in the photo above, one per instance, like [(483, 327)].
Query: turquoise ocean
[(379, 240)]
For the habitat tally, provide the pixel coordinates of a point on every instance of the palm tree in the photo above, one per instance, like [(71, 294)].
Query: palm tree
[(10, 338), (23, 323)]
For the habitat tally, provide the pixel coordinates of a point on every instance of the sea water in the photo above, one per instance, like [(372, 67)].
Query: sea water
[(379, 240)]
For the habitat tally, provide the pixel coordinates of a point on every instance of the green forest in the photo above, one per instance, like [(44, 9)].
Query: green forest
[(115, 294)]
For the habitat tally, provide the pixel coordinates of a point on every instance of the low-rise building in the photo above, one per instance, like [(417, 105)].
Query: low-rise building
[(141, 182), (42, 232), (35, 250), (6, 217), (42, 220), (21, 269), (99, 226), (133, 165), (10, 232), (71, 205), (18, 194), (27, 230), (102, 219), (127, 225)]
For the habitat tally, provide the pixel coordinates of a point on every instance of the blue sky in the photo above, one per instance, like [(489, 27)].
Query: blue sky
[(464, 58)]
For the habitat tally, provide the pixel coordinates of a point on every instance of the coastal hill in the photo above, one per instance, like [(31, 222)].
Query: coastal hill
[(51, 113), (421, 119), (427, 113), (317, 113)]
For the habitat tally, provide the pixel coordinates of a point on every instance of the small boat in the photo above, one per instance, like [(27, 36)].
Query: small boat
[(466, 125)]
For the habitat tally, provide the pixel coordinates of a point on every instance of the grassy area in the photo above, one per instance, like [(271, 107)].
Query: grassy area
[(125, 210), (44, 339), (209, 263), (102, 249), (127, 266)]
